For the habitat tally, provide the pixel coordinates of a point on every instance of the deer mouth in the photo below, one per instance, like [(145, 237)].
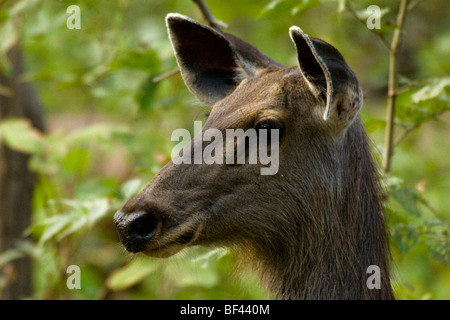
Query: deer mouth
[(170, 243)]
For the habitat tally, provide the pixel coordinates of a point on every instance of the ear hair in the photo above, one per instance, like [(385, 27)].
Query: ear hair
[(329, 76), (298, 35)]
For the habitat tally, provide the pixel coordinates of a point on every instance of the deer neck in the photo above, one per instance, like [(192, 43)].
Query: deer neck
[(342, 234)]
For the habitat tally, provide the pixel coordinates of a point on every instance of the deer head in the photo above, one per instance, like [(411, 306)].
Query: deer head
[(305, 227)]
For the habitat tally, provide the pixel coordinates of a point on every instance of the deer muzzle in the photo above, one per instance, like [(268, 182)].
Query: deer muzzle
[(136, 230), (153, 235)]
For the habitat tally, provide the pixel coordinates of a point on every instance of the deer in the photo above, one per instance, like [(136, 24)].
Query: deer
[(311, 230)]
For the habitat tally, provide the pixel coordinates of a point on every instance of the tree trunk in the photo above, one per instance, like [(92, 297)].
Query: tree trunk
[(17, 182)]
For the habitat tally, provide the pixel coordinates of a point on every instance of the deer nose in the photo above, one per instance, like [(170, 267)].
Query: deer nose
[(136, 230)]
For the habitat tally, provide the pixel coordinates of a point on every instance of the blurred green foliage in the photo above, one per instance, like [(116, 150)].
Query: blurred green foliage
[(110, 127)]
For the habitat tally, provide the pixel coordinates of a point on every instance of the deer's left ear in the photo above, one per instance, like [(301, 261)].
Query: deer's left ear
[(329, 78)]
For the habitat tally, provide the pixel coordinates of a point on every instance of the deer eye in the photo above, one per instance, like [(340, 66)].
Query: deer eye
[(269, 125)]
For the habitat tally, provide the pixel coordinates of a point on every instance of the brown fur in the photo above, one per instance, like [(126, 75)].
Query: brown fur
[(312, 229)]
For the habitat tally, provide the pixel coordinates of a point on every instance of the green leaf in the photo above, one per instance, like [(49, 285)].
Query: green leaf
[(271, 6), (303, 5), (96, 209), (9, 36), (373, 125), (365, 14), (54, 225), (186, 273), (10, 255), (81, 214), (438, 240), (405, 236), (145, 60), (131, 188), (341, 6), (406, 197), (131, 274), (74, 226), (77, 161), (146, 93), (20, 135), (421, 102), (95, 132), (431, 91), (22, 6), (85, 214), (205, 258)]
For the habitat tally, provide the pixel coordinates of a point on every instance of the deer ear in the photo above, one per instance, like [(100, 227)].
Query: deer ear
[(212, 63), (328, 77)]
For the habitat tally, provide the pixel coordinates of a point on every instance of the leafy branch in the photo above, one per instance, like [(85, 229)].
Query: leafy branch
[(392, 92), (350, 9), (209, 17), (392, 86)]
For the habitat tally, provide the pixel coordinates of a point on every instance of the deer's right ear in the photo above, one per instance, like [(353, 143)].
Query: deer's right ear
[(212, 64)]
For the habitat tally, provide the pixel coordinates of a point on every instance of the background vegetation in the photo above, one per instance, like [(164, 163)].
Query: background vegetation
[(109, 125)]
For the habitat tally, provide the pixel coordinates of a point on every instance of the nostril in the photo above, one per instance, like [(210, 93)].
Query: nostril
[(143, 227)]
